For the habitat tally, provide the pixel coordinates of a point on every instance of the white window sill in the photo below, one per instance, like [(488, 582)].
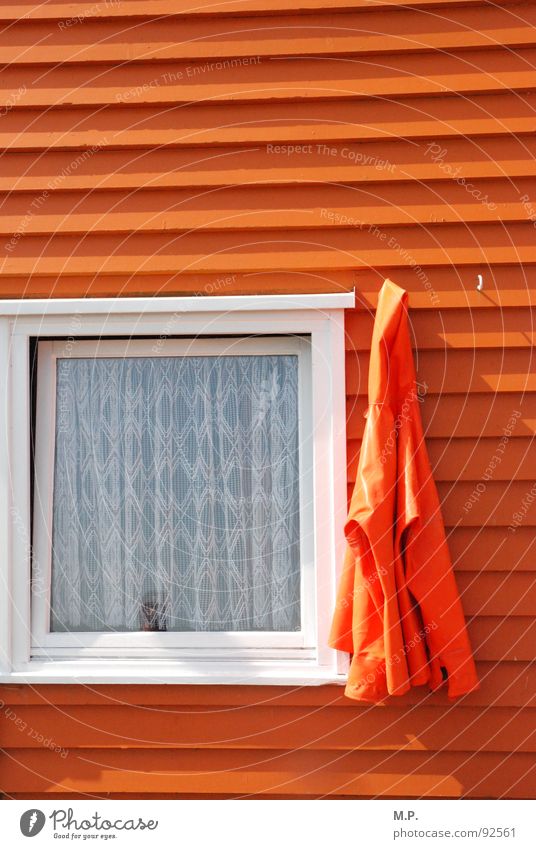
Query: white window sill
[(164, 672)]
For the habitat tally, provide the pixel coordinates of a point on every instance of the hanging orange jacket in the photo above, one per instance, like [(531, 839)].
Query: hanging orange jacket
[(398, 611)]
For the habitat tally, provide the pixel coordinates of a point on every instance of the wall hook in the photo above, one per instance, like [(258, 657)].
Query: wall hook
[(480, 284)]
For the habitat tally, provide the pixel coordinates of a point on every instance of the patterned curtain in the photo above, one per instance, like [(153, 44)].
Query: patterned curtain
[(175, 500)]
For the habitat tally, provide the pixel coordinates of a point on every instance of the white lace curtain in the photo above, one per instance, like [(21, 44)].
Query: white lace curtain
[(175, 500)]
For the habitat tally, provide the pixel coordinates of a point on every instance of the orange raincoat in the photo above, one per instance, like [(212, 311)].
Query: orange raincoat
[(398, 611)]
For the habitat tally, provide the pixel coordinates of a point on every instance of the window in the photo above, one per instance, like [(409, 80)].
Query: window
[(177, 488), (167, 497)]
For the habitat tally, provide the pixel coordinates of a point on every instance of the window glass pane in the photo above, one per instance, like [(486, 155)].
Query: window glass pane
[(175, 501)]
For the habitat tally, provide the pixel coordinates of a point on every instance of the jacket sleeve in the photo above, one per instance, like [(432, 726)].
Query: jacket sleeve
[(341, 636), (358, 623), (358, 626), (428, 569)]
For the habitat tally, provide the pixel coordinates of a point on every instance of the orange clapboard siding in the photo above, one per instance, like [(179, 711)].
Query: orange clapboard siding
[(296, 123), (300, 250), (262, 208), (497, 505), (508, 328), (301, 772), (485, 549), (477, 415), (268, 728), (181, 82), (467, 460), (351, 163), (132, 9), (172, 37), (479, 370), (320, 146), (454, 283)]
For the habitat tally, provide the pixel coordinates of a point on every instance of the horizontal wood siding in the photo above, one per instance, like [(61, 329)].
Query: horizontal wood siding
[(317, 146)]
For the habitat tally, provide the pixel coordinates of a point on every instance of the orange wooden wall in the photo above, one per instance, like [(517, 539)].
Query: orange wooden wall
[(142, 158)]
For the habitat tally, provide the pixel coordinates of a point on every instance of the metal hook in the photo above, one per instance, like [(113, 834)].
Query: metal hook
[(480, 284)]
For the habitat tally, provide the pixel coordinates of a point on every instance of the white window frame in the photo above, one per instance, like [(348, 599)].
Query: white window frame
[(306, 659)]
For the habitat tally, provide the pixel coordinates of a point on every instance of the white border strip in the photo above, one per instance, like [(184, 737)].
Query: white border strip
[(120, 305)]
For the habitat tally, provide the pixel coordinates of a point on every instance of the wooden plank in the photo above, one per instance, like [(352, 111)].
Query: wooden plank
[(277, 123), (522, 280), (333, 280), (445, 329), (471, 460), (455, 285), (494, 504), (249, 728), (500, 639), (201, 285), (181, 796), (470, 297), (472, 415), (262, 207), (302, 250), (177, 38), (447, 774), (493, 549), (498, 70), (498, 593), (351, 163), (466, 460), (128, 9), (482, 370)]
